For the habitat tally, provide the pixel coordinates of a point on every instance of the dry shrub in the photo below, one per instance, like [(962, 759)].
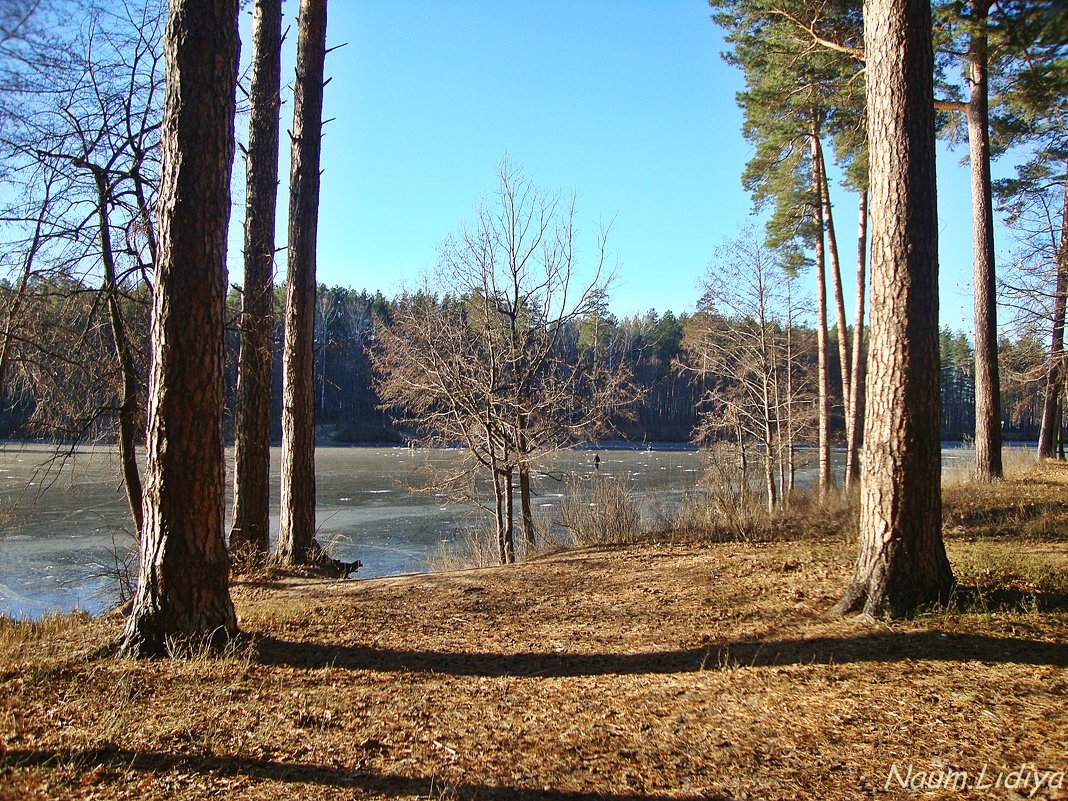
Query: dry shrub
[(213, 647), (726, 508), (709, 514), (601, 510), (475, 546), (251, 565), (837, 514), (1016, 461), (118, 570)]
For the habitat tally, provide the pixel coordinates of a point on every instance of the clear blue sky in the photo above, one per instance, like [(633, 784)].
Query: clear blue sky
[(625, 102)]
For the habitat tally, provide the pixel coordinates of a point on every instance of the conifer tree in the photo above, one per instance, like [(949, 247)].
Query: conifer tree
[(797, 94)]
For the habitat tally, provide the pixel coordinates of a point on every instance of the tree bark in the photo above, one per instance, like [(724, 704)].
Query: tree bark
[(1049, 432), (252, 448), (183, 594), (855, 417), (524, 503), (499, 515), (823, 369), (902, 562), (509, 517), (836, 284), (988, 465), (790, 427), (297, 543)]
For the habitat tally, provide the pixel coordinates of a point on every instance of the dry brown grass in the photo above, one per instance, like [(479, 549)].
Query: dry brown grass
[(671, 670), (1032, 502)]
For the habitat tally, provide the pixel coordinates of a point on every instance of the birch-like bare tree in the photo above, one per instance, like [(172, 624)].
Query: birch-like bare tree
[(485, 367), (744, 341)]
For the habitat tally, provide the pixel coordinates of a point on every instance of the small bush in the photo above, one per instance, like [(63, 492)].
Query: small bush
[(726, 508), (600, 510), (475, 546)]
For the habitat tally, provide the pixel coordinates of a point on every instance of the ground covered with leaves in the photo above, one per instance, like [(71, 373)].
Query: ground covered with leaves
[(658, 670)]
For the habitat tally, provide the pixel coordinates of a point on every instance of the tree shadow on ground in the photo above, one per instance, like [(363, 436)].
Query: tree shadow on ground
[(122, 760), (883, 647)]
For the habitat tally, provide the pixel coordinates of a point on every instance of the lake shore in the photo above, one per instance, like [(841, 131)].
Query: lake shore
[(665, 669)]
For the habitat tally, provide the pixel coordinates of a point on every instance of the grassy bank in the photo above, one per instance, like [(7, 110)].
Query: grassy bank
[(676, 667)]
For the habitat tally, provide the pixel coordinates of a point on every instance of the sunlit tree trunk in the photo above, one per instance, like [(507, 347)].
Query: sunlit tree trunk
[(183, 593), (855, 413), (499, 512), (509, 518), (250, 527), (836, 283), (987, 383), (823, 368), (1049, 432), (902, 562), (791, 427), (296, 541), (524, 501)]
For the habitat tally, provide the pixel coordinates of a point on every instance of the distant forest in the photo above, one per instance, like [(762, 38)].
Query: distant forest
[(348, 409)]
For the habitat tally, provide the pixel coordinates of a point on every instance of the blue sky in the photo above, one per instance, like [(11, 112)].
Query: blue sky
[(627, 103)]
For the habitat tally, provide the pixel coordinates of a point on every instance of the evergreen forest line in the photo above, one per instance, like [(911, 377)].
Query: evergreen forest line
[(650, 345)]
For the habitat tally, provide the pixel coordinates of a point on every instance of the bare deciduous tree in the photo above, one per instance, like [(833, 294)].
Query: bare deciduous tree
[(743, 337), (82, 157), (486, 367)]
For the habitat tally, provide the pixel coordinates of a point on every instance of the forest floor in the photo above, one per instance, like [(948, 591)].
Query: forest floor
[(664, 669)]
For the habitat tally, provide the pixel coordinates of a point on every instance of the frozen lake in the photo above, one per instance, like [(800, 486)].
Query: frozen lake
[(62, 523)]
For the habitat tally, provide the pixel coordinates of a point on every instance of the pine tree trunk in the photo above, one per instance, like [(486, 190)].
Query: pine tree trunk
[(855, 418), (296, 542), (1048, 434), (823, 369), (250, 528), (902, 562), (790, 427), (987, 383), (183, 594), (836, 284)]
